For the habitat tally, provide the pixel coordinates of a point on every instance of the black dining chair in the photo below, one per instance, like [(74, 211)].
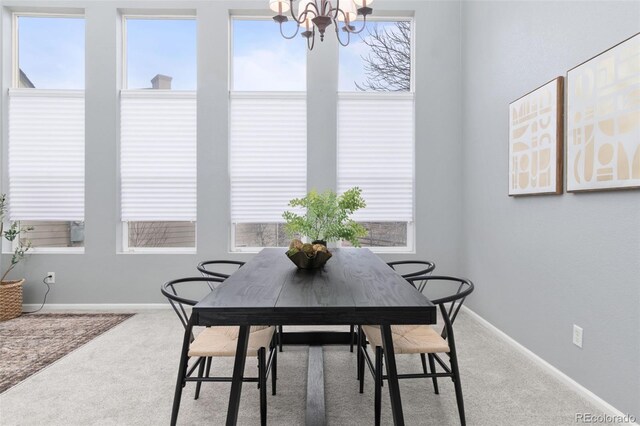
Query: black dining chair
[(420, 339), (415, 268), (218, 341), (212, 268), (412, 268), (207, 269)]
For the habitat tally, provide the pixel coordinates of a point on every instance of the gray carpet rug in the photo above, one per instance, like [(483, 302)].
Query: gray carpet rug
[(31, 342), (127, 376)]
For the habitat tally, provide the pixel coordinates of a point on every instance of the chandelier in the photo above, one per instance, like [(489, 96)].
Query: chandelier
[(318, 15)]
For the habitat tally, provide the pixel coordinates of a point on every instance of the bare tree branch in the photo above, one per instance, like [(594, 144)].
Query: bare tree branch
[(147, 234), (388, 65)]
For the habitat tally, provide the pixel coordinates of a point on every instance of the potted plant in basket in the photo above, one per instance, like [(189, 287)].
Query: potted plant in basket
[(11, 290), (326, 219)]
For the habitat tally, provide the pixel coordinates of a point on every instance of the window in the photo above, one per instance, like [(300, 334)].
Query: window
[(268, 132), (376, 130), (158, 134), (46, 130)]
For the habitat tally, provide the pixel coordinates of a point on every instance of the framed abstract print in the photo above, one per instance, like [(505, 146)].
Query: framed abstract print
[(603, 120), (535, 141)]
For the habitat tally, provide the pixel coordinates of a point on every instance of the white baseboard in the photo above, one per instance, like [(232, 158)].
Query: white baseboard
[(595, 399), (131, 307)]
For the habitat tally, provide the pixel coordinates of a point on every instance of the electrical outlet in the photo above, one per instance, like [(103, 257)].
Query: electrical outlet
[(51, 278), (577, 336)]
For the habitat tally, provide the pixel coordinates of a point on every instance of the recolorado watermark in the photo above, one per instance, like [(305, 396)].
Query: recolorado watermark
[(604, 418)]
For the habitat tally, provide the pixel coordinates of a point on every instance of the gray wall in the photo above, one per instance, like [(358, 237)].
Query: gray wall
[(101, 275), (544, 263)]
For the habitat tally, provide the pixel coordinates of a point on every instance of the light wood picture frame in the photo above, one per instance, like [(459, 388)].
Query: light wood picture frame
[(603, 120), (536, 141)]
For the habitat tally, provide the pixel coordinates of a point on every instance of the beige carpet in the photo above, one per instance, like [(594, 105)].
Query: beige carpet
[(31, 342), (127, 376)]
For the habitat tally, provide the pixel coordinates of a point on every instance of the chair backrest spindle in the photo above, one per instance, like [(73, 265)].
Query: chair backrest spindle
[(451, 304), (206, 270), (178, 302)]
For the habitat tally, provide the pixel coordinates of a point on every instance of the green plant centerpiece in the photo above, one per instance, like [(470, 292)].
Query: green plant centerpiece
[(11, 290), (326, 219)]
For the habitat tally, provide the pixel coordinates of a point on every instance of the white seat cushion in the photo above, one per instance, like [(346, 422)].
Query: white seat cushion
[(223, 341), (409, 339)]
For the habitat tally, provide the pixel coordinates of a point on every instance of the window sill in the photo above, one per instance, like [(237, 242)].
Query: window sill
[(377, 250), (392, 250), (167, 250), (250, 250), (52, 250)]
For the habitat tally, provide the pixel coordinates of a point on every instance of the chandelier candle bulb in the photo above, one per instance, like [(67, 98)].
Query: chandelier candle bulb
[(363, 3), (349, 13)]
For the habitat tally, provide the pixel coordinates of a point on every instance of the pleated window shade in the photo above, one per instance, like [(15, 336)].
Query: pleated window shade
[(46, 155), (268, 154), (158, 155), (376, 153)]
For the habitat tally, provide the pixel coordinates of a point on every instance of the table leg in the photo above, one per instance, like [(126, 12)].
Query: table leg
[(238, 372), (315, 415), (392, 375)]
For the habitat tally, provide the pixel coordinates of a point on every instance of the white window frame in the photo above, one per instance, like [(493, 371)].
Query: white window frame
[(410, 248), (9, 247), (232, 248), (124, 225)]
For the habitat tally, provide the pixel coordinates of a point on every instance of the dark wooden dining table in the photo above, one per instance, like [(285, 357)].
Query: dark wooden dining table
[(354, 287)]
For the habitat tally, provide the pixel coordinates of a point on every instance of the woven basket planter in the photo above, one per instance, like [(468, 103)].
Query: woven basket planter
[(10, 299), (303, 262)]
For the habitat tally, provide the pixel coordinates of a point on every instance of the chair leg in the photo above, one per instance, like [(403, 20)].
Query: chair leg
[(274, 371), (208, 369), (351, 337), (358, 351), (201, 361), (423, 358), (432, 367), (262, 380), (458, 387), (378, 385), (362, 347), (182, 371), (280, 337), (361, 362)]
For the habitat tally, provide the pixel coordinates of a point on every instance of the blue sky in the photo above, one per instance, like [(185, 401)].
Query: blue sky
[(161, 46), (51, 53), (264, 60)]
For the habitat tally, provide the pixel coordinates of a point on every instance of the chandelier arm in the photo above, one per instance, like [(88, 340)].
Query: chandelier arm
[(293, 16), (311, 41), (303, 15), (289, 37), (338, 35), (364, 25), (337, 14), (328, 9), (336, 11)]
